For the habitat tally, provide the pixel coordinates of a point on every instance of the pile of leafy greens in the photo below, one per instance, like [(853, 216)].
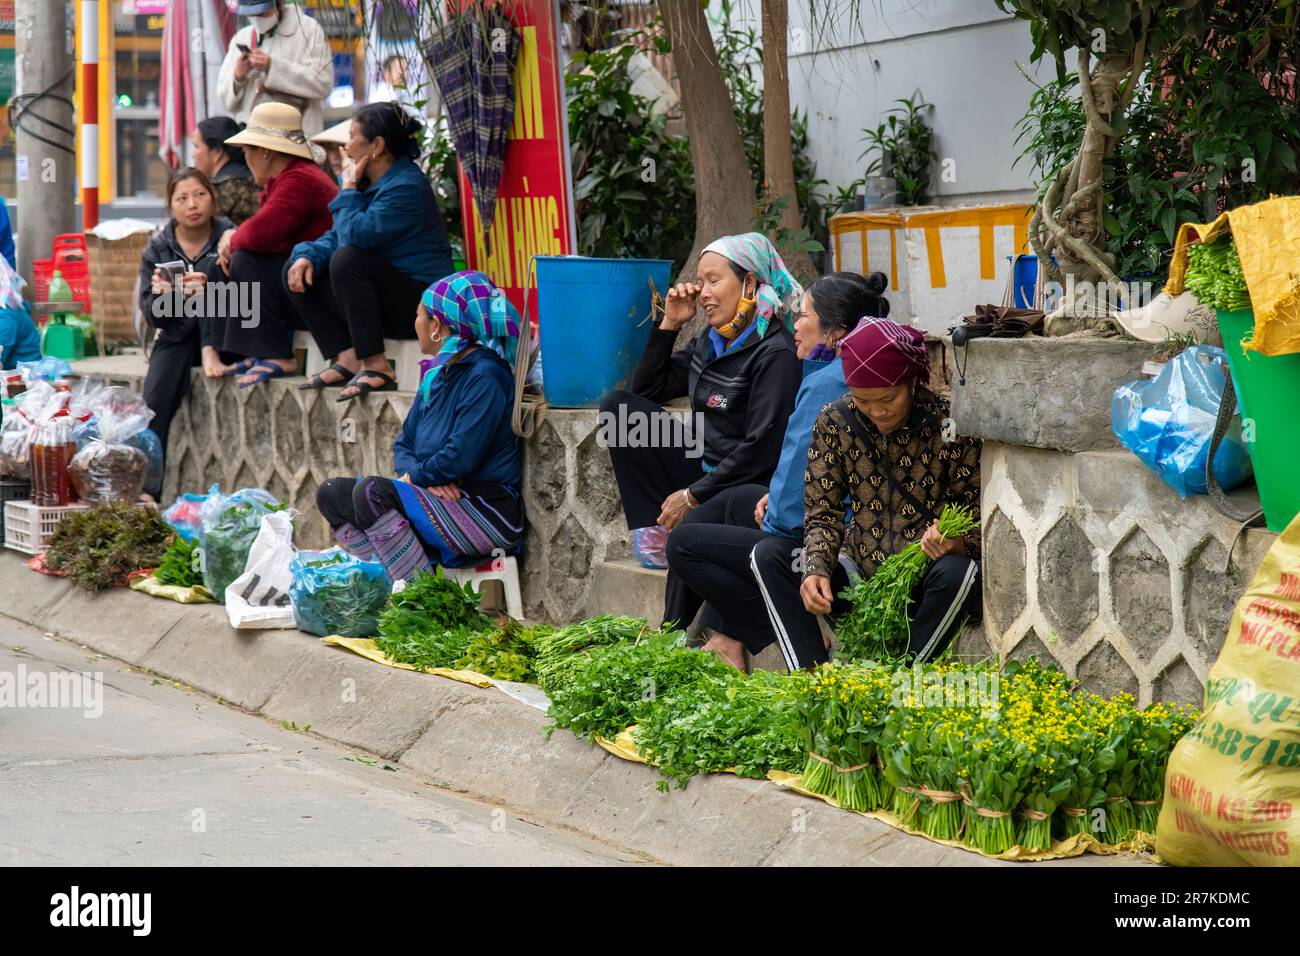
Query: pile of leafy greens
[(100, 547), (431, 622)]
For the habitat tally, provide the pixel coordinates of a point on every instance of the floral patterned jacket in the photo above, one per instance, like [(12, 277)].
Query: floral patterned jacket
[(930, 468)]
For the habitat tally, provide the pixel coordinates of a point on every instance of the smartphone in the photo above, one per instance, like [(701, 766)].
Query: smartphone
[(244, 48), (174, 270)]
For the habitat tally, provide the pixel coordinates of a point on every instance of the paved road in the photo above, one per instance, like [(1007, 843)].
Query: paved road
[(167, 775)]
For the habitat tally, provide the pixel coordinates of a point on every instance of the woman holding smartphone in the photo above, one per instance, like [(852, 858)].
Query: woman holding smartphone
[(181, 258)]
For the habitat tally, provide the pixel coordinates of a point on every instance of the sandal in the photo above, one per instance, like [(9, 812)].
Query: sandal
[(365, 388), (241, 368), (263, 372), (316, 382)]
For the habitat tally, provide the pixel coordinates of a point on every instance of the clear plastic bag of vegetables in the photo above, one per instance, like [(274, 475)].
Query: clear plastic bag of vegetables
[(336, 593), (227, 526), (111, 465)]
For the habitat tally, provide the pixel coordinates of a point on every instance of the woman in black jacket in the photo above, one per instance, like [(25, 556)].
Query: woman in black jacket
[(741, 377), (189, 241), (236, 191)]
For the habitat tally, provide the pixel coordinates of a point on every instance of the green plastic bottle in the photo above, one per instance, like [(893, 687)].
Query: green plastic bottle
[(59, 290)]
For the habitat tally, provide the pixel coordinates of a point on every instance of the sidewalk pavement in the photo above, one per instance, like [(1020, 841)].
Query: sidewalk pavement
[(477, 741)]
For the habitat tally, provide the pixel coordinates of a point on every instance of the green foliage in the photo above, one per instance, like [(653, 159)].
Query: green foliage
[(617, 683), (1107, 26), (100, 547), (724, 721), (1214, 275), (432, 622), (179, 565), (438, 159), (904, 148), (878, 627), (1212, 126), (634, 186), (561, 654), (506, 653)]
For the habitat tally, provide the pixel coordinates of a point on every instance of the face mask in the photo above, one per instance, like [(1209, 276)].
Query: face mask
[(264, 23)]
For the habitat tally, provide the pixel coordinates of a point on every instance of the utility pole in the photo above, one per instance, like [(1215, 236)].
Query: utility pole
[(46, 145)]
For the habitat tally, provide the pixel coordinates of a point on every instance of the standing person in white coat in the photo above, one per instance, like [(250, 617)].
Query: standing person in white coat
[(283, 56)]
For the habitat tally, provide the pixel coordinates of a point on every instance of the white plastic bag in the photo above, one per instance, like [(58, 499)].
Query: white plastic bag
[(259, 598)]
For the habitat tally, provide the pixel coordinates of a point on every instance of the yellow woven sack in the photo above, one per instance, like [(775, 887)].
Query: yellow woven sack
[(1232, 790)]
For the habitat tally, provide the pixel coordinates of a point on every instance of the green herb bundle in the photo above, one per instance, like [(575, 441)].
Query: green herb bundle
[(841, 715), (616, 684), (100, 547), (1214, 275), (506, 653), (562, 654), (431, 622), (180, 565), (1156, 729), (748, 724), (878, 626)]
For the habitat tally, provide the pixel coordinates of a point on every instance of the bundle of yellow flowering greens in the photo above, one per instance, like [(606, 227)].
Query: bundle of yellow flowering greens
[(842, 714), (1155, 731)]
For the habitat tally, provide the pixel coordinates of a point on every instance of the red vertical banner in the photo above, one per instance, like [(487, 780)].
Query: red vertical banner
[(534, 214)]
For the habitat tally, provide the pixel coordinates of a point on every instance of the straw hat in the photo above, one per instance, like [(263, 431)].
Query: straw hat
[(336, 135), (277, 127)]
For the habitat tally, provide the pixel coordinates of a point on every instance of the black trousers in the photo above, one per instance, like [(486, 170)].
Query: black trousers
[(176, 351), (270, 334), (341, 501), (647, 475), (752, 581), (357, 301), (734, 507)]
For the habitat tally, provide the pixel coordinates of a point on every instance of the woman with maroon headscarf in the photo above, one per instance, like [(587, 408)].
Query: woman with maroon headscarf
[(882, 465)]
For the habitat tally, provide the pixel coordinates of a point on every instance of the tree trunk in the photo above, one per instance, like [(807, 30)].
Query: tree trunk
[(778, 155), (724, 192)]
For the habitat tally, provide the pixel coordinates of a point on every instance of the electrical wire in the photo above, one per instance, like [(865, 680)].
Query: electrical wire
[(21, 106)]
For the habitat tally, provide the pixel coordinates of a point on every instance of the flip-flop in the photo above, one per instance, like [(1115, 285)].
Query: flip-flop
[(365, 388), (265, 373), (316, 382), (241, 368)]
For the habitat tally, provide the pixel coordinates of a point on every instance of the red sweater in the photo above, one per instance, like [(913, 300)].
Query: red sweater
[(295, 208)]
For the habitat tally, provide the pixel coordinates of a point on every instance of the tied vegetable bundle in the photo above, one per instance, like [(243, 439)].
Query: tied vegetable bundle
[(564, 653), (1214, 275), (842, 713), (431, 622), (507, 653), (878, 627)]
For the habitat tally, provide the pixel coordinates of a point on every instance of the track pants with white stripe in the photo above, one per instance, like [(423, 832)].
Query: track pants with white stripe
[(751, 581)]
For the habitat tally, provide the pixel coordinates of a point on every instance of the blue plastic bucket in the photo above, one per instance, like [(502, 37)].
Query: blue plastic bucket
[(594, 319), (1024, 276)]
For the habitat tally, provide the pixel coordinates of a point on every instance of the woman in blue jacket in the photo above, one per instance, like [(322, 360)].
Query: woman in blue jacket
[(360, 282), (457, 498), (711, 550)]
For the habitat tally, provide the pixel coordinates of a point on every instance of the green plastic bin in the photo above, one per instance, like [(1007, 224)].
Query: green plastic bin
[(1268, 393)]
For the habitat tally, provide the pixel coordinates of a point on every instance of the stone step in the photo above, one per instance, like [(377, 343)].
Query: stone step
[(622, 587)]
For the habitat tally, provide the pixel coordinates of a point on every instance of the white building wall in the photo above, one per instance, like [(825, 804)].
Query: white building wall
[(961, 54)]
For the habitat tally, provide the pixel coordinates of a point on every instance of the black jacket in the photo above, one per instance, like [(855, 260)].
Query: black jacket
[(163, 247), (744, 396)]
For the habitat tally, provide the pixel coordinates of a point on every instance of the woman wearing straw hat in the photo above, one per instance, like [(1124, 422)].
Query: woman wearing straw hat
[(295, 208)]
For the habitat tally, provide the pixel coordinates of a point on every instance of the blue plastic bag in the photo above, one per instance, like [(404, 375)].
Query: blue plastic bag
[(1168, 422), (184, 514), (336, 593)]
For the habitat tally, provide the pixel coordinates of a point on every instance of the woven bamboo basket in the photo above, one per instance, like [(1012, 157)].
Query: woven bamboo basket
[(114, 266)]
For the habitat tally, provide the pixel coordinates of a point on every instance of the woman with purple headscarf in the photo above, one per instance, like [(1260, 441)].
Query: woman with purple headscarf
[(456, 499), (882, 465)]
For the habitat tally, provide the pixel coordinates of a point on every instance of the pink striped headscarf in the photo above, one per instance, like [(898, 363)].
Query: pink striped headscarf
[(880, 353)]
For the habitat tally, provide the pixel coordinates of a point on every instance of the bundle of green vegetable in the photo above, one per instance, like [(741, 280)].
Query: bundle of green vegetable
[(100, 547), (180, 564), (431, 622), (506, 653), (617, 683), (563, 653), (724, 721), (842, 712), (1214, 275), (878, 626)]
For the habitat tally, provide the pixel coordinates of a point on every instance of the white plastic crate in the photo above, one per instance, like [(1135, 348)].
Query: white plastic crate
[(28, 527)]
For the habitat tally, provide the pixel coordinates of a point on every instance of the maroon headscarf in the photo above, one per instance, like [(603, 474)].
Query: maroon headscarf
[(880, 353)]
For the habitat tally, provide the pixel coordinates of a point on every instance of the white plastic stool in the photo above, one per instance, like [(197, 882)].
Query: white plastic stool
[(505, 570)]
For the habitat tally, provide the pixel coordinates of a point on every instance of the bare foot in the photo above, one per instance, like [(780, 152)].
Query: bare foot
[(727, 649), (255, 374), (213, 367)]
